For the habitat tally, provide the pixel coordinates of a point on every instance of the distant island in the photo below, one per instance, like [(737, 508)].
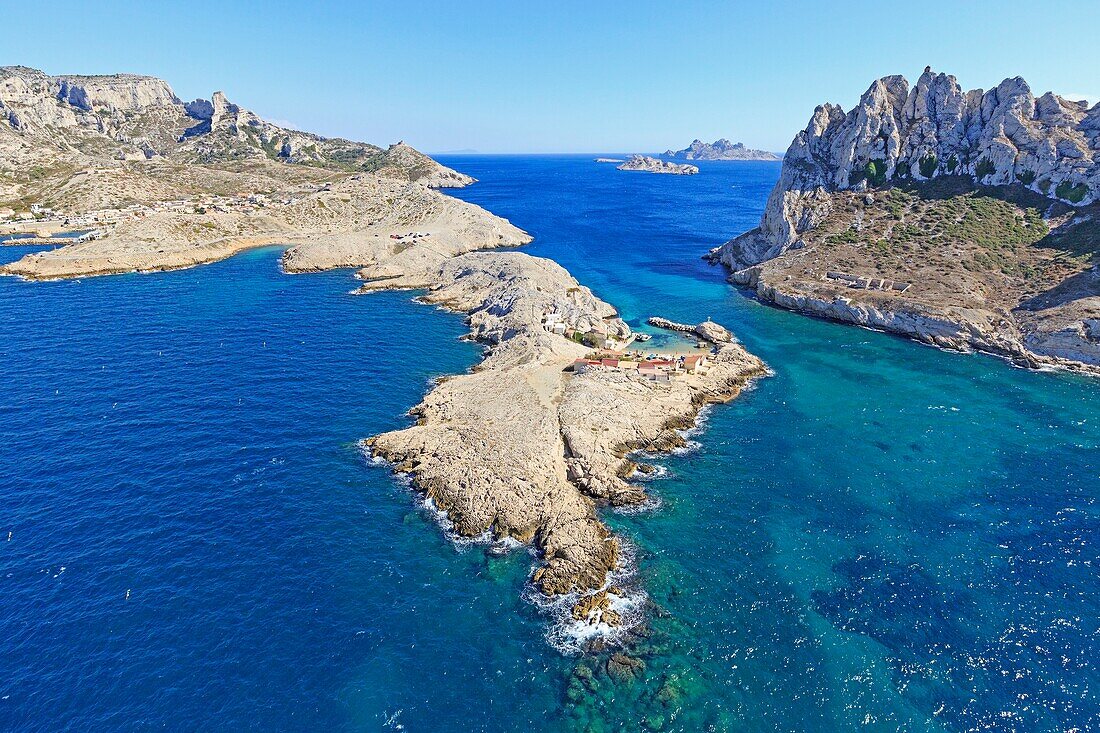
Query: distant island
[(609, 160), (963, 219), (656, 165), (720, 150)]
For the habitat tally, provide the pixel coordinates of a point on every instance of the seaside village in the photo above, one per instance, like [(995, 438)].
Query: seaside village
[(615, 354)]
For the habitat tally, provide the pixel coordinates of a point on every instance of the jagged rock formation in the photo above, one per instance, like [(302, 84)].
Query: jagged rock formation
[(721, 149), (656, 165), (50, 121), (998, 189)]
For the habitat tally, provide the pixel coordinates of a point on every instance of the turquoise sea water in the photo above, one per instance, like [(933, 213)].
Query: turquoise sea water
[(879, 537)]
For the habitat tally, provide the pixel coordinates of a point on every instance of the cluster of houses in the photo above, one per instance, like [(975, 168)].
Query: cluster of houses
[(596, 337), (655, 367), (44, 215), (36, 213), (867, 283)]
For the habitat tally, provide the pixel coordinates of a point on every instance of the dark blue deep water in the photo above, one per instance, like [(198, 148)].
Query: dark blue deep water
[(880, 537)]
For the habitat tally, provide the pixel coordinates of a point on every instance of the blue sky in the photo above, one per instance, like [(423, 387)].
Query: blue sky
[(555, 76)]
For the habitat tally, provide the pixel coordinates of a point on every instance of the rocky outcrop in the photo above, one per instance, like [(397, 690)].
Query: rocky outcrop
[(115, 93), (721, 149), (523, 448), (656, 165), (981, 205)]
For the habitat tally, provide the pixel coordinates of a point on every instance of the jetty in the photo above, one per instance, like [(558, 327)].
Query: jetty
[(708, 330)]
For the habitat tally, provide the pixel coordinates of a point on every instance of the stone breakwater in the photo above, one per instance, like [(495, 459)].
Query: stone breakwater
[(707, 330), (521, 447)]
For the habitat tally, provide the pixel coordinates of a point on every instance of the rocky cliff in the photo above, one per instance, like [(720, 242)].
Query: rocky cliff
[(720, 150), (934, 129), (53, 121), (975, 201)]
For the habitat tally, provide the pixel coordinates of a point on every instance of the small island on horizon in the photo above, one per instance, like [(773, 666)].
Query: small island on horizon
[(649, 164), (721, 149)]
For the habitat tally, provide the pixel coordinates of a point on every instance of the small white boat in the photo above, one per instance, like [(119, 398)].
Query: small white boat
[(642, 337)]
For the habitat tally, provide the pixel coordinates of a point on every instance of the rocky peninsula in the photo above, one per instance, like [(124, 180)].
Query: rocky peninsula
[(963, 219), (526, 447), (656, 165), (721, 149)]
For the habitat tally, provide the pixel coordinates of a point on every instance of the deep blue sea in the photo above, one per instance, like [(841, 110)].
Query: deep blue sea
[(880, 537)]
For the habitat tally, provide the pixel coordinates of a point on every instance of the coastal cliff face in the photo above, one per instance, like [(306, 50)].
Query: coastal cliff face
[(721, 149), (981, 205), (52, 122)]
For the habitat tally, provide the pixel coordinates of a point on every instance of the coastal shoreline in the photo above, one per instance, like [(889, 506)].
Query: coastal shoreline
[(960, 337)]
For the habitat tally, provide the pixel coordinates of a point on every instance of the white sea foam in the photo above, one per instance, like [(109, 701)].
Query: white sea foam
[(701, 420), (461, 542), (658, 472), (650, 505), (688, 447), (564, 633), (570, 636)]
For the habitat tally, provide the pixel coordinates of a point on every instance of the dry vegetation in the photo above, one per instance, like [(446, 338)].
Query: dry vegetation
[(998, 245)]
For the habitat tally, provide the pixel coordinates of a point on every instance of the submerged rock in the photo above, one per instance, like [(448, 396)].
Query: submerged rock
[(623, 668)]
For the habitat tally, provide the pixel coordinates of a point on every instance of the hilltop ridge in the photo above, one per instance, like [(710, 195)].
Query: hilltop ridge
[(53, 126)]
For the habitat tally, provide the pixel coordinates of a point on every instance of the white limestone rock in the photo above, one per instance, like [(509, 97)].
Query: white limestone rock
[(1003, 136)]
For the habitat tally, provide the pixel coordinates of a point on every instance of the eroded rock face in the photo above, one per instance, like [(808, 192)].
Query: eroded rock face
[(119, 92), (1001, 136)]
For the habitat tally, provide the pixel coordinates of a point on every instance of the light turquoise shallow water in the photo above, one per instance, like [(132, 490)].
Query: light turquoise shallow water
[(880, 536)]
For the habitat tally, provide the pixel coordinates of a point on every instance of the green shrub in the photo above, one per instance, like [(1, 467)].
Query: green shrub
[(928, 165), (952, 163), (984, 168), (1026, 177), (875, 171), (1075, 194), (902, 169), (1044, 185)]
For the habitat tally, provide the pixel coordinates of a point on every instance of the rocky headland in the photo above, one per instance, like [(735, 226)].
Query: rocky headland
[(656, 165), (523, 448), (963, 219), (721, 149)]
